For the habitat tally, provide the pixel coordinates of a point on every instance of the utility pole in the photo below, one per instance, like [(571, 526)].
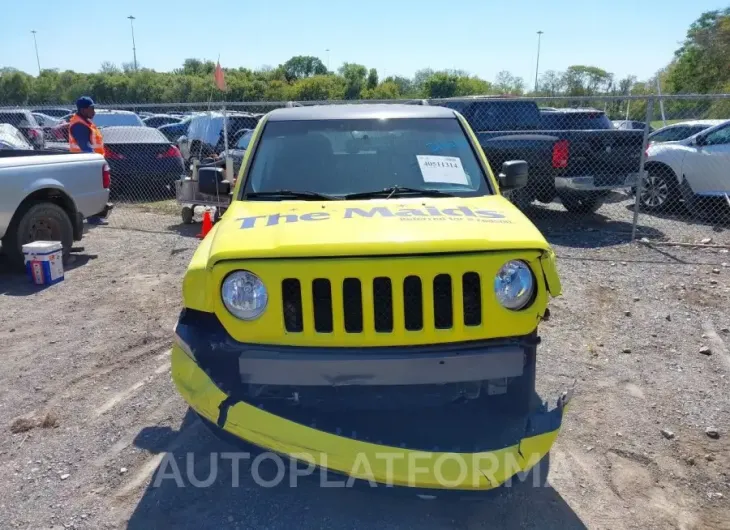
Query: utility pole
[(134, 48), (37, 57), (328, 59), (537, 66)]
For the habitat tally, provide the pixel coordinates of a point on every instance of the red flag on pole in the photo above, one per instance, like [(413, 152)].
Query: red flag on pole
[(220, 78)]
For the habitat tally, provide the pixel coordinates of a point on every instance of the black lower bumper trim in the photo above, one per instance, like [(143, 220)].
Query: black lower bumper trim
[(460, 417)]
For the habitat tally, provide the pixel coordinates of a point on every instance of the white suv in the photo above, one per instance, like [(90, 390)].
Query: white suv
[(692, 169)]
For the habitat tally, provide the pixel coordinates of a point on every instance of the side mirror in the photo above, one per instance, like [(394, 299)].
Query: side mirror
[(699, 141), (211, 181), (513, 175)]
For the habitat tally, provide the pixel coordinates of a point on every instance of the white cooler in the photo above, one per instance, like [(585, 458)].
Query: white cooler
[(44, 262)]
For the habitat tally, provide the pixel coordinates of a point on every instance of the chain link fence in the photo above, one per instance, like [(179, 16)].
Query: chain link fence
[(585, 158)]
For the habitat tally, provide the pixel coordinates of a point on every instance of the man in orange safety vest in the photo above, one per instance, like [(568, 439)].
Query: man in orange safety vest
[(84, 136)]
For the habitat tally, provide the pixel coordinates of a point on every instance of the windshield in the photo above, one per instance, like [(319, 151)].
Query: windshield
[(344, 157), (119, 120)]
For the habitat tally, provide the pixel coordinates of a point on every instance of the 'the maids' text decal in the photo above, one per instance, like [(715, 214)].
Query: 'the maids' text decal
[(426, 213)]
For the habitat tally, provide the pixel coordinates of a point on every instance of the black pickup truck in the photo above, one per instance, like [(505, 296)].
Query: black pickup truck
[(574, 154)]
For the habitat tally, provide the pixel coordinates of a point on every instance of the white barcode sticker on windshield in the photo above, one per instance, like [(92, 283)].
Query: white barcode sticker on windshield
[(443, 169)]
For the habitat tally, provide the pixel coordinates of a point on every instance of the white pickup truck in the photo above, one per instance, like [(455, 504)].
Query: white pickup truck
[(47, 197)]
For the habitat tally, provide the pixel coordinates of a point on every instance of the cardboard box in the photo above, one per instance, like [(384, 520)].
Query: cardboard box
[(44, 262)]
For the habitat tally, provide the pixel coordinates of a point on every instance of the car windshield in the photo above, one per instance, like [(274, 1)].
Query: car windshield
[(348, 157), (117, 120)]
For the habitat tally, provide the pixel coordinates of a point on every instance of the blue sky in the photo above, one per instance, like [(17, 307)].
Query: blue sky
[(396, 37)]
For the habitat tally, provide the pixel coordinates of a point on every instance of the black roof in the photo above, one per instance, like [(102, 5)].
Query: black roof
[(359, 112)]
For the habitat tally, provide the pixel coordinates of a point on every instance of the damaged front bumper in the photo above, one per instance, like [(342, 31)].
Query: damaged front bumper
[(355, 447)]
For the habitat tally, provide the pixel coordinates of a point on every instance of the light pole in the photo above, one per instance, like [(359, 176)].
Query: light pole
[(537, 65), (328, 59), (37, 57), (134, 48)]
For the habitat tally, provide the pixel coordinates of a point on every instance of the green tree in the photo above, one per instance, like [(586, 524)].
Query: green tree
[(302, 66), (318, 88), (405, 85), (354, 75), (372, 79), (702, 63), (472, 86), (582, 80), (506, 83), (15, 87), (440, 85), (385, 90)]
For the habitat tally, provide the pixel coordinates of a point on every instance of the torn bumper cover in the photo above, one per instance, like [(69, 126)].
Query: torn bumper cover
[(353, 452)]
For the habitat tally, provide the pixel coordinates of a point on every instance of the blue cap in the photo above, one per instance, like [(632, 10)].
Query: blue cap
[(84, 102)]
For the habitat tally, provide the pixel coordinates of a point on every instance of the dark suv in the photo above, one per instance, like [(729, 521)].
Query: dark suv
[(205, 133), (24, 121)]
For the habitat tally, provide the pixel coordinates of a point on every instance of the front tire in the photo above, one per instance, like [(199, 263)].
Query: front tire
[(37, 221), (659, 190), (582, 203)]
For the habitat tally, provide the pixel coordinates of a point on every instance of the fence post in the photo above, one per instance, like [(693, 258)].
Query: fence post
[(642, 163)]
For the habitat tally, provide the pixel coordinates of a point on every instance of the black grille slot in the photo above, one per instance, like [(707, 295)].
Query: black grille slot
[(413, 303), (352, 305), (322, 302), (383, 304), (291, 296), (472, 293), (443, 304)]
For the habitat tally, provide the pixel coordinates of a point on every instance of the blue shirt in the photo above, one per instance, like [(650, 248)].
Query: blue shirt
[(82, 134)]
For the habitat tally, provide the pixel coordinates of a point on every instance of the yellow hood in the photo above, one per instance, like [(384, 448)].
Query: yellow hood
[(293, 229)]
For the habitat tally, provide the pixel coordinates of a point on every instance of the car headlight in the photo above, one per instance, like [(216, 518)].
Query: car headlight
[(514, 285), (244, 295)]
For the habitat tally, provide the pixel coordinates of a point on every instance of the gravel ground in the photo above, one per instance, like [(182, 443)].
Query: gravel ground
[(88, 410)]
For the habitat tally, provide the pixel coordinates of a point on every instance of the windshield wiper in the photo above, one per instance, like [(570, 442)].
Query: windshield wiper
[(289, 194), (393, 191)]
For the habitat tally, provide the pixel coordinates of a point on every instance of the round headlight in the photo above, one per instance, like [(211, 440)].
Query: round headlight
[(514, 285), (244, 295)]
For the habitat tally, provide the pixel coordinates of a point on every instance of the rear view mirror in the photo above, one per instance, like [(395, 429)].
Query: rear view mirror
[(211, 181), (513, 175)]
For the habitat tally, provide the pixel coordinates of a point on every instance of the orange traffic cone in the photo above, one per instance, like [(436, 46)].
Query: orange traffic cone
[(207, 225)]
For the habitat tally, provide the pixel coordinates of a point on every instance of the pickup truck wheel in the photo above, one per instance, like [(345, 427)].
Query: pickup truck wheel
[(521, 198), (39, 221), (659, 190), (582, 203)]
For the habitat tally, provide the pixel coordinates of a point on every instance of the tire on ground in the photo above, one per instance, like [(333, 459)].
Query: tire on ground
[(583, 203), (660, 190), (522, 198), (35, 221)]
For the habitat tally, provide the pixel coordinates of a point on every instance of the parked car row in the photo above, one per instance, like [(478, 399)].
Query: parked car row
[(575, 154)]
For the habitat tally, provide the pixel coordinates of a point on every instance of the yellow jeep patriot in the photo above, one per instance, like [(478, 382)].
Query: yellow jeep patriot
[(369, 302)]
